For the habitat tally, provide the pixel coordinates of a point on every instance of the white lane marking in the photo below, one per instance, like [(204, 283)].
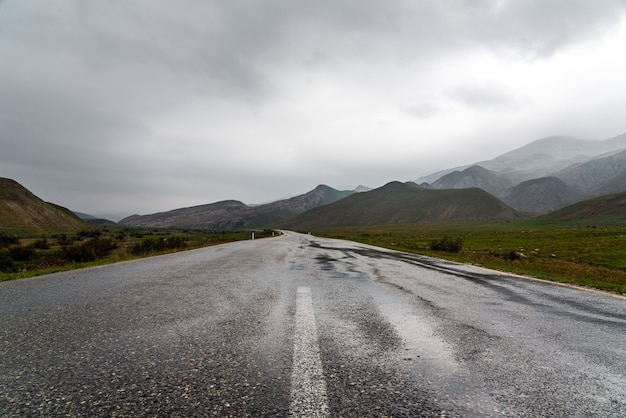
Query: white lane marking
[(308, 388)]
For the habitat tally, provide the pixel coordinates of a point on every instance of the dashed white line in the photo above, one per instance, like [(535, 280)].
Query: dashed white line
[(308, 387)]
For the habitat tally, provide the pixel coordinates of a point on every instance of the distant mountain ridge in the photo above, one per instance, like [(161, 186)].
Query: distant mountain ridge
[(360, 188), (525, 178), (551, 175), (21, 210), (551, 154), (233, 214), (591, 175), (474, 176), (540, 177), (94, 220)]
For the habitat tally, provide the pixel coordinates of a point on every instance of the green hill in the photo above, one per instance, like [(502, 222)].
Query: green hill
[(20, 210), (404, 203), (604, 209)]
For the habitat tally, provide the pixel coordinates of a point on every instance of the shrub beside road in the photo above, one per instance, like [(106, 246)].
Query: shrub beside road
[(30, 255)]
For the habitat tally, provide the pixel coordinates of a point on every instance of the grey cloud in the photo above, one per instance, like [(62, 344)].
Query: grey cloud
[(233, 48), (529, 28), (79, 79), (484, 96), (423, 110), (541, 28)]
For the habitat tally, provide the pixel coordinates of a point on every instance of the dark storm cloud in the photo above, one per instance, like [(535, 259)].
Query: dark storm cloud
[(87, 88)]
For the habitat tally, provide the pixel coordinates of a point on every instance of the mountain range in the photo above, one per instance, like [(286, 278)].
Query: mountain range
[(233, 214), (538, 178), (545, 175), (394, 203), (559, 176)]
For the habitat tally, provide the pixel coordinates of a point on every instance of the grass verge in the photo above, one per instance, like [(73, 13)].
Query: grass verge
[(30, 255), (589, 255)]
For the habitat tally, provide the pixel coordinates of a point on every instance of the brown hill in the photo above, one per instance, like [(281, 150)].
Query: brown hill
[(404, 203), (232, 214), (20, 210), (219, 215)]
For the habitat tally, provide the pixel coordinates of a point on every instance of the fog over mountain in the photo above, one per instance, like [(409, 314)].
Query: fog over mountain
[(541, 195), (474, 176), (546, 174)]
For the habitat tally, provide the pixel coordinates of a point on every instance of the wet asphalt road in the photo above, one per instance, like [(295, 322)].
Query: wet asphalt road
[(272, 327)]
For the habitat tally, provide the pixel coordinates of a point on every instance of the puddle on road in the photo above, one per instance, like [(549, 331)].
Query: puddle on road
[(427, 356)]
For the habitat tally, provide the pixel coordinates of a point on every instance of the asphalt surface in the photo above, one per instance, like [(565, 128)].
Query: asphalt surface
[(303, 326)]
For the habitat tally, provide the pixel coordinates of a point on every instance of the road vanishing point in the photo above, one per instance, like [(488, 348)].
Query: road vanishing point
[(303, 326)]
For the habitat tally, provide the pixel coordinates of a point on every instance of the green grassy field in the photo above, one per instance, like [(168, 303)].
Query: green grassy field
[(31, 254), (589, 255)]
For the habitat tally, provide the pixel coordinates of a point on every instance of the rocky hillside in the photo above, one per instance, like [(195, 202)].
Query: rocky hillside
[(474, 176), (21, 210), (540, 195), (224, 215), (594, 174), (617, 185)]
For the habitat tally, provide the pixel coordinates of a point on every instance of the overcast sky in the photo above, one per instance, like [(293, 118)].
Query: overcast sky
[(122, 107)]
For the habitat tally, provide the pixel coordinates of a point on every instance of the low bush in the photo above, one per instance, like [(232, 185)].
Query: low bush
[(91, 250), (6, 263), (6, 240), (90, 233), (63, 239), (19, 253), (154, 245), (41, 244), (447, 244)]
